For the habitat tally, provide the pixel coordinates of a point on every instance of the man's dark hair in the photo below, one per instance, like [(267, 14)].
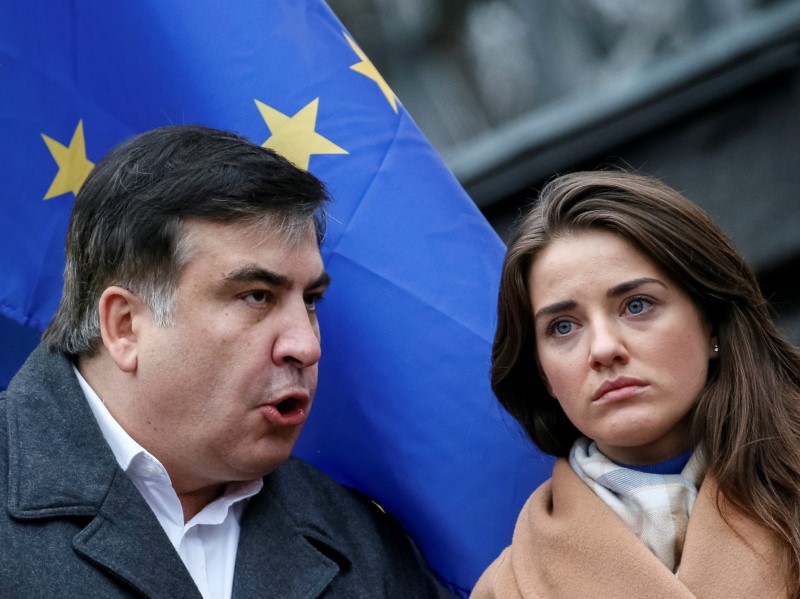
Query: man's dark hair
[(128, 223)]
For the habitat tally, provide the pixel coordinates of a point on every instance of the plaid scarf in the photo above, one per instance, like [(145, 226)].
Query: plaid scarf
[(655, 507)]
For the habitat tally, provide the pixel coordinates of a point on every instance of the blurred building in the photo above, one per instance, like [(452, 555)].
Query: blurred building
[(703, 94)]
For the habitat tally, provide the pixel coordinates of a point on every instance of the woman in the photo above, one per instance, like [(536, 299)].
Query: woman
[(664, 388)]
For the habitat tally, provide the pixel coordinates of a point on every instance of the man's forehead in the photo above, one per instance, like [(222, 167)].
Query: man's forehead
[(236, 247), (268, 228)]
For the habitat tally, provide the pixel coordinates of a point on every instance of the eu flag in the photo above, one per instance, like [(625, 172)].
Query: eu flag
[(404, 411)]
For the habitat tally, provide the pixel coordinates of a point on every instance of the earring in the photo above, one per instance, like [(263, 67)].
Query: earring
[(716, 348)]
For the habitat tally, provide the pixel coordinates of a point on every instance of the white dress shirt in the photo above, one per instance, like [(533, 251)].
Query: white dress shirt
[(207, 543)]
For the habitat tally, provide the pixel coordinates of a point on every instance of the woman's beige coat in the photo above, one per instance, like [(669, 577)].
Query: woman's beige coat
[(568, 543)]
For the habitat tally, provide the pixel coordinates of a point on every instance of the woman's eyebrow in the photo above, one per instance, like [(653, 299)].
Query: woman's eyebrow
[(615, 291), (629, 286), (555, 308)]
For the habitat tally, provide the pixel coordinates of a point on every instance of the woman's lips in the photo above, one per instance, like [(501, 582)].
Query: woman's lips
[(619, 388)]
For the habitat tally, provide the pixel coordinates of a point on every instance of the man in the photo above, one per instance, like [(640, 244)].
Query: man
[(145, 445)]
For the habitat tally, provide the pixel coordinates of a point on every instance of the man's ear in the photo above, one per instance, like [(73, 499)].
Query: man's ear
[(120, 312)]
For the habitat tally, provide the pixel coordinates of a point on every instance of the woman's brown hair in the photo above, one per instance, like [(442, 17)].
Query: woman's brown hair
[(747, 418)]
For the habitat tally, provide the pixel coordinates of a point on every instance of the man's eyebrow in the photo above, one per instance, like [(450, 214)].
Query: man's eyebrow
[(629, 286), (555, 308), (321, 282), (250, 274)]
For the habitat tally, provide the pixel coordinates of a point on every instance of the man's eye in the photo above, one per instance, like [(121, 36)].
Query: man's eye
[(312, 300), (257, 297)]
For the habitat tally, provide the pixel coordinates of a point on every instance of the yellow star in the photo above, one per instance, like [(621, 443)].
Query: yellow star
[(294, 137), (73, 167), (366, 68)]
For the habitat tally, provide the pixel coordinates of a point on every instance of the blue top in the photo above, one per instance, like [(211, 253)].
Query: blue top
[(671, 466)]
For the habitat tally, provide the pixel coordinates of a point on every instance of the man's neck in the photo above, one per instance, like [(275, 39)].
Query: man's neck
[(194, 501), (193, 496)]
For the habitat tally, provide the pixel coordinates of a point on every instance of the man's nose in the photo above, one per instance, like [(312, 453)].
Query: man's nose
[(607, 345), (297, 340)]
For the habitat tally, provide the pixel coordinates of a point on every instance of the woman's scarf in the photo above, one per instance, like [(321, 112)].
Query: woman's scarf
[(655, 507), (568, 543)]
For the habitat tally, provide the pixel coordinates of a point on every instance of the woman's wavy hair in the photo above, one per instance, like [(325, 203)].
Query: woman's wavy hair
[(747, 418)]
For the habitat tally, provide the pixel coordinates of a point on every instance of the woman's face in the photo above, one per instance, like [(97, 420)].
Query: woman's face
[(621, 347)]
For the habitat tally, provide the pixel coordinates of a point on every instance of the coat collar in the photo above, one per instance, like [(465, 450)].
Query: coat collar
[(61, 466), (59, 463)]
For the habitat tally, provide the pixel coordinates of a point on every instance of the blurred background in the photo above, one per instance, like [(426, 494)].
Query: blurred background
[(703, 94)]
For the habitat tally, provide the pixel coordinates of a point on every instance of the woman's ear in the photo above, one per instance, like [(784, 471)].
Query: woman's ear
[(119, 310)]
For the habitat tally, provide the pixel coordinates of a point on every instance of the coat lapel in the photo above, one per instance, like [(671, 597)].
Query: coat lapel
[(281, 558), (59, 463), (730, 556), (126, 539)]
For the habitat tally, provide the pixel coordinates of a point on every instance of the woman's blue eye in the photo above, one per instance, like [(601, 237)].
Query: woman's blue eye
[(636, 306), (563, 327)]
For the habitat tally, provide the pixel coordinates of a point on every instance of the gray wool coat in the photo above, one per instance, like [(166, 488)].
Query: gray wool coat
[(73, 525)]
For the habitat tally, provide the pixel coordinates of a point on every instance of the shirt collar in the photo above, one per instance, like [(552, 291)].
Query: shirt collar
[(140, 464)]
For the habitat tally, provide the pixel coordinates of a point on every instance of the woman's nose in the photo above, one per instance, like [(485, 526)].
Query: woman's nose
[(607, 345)]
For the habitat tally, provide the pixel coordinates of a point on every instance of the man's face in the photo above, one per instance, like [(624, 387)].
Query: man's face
[(223, 393)]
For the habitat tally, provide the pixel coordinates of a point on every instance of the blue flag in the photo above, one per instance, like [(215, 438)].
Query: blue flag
[(404, 410)]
